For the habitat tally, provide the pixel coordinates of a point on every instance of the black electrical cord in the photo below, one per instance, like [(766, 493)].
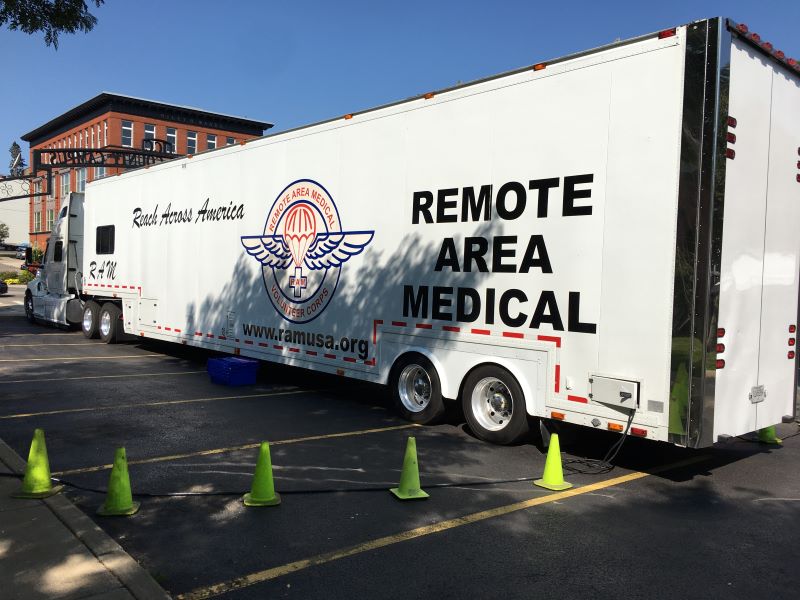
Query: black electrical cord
[(382, 488), (593, 466)]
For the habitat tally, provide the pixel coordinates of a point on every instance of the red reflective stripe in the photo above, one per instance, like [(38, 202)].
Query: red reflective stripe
[(177, 331), (513, 334), (211, 335), (329, 355), (294, 349), (423, 326), (263, 345), (399, 323), (558, 378), (349, 359), (550, 338), (311, 352), (249, 342), (481, 331), (167, 328), (277, 347), (451, 328), (580, 399), (219, 337)]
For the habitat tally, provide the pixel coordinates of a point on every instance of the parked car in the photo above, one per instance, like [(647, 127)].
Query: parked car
[(21, 251), (3, 287)]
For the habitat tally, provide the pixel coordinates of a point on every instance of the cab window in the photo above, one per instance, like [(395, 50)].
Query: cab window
[(58, 252)]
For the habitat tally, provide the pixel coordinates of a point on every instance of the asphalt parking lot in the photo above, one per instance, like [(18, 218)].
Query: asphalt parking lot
[(666, 522)]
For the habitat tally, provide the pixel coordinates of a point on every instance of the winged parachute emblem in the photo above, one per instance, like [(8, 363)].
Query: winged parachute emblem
[(324, 250)]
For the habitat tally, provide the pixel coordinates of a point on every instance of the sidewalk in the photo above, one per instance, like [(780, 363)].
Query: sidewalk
[(50, 549)]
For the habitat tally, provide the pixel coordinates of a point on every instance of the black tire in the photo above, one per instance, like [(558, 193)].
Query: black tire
[(113, 313), (497, 412), (416, 389), (29, 308), (90, 325)]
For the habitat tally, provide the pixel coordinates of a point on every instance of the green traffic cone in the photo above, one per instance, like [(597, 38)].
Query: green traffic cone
[(262, 492), (119, 501), (767, 435), (36, 483), (409, 488), (553, 478)]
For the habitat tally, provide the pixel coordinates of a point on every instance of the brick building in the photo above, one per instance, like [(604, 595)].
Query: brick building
[(114, 120)]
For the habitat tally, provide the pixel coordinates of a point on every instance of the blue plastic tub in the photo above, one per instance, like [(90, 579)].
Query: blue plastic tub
[(232, 370)]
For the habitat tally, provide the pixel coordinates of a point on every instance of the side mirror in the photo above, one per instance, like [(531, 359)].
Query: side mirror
[(28, 255)]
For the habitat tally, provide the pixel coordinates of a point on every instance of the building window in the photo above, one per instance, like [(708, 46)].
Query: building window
[(64, 185), (80, 180), (37, 187), (191, 142), (92, 144), (172, 139), (127, 134), (229, 141), (149, 131), (50, 217), (37, 220), (105, 133), (104, 241), (99, 172), (211, 141)]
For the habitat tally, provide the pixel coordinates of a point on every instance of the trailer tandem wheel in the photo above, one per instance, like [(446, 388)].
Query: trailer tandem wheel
[(494, 405), (91, 319), (109, 322), (416, 389)]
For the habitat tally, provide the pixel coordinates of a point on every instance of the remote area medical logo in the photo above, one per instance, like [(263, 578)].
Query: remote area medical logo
[(302, 250)]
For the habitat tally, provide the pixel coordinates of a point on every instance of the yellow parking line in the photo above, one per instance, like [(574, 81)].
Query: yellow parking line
[(280, 392), (320, 559), (4, 381), (62, 358), (309, 438)]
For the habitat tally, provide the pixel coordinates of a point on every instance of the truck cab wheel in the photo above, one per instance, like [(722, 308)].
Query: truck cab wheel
[(416, 389), (108, 322), (91, 318), (29, 308), (494, 405)]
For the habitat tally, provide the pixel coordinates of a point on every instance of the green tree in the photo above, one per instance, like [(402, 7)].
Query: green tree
[(3, 232), (53, 17)]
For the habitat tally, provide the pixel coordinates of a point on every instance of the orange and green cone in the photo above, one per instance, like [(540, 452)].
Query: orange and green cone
[(262, 492), (409, 487), (37, 483), (119, 500), (553, 478)]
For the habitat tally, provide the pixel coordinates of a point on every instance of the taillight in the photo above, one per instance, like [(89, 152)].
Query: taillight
[(557, 416), (639, 431), (730, 153), (791, 341), (792, 328), (667, 33), (721, 332), (720, 347), (615, 427), (791, 354), (720, 363)]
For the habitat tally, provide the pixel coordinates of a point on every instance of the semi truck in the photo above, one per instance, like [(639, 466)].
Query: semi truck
[(607, 239)]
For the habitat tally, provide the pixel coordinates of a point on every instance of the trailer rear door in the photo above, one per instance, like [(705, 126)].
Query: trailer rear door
[(760, 246)]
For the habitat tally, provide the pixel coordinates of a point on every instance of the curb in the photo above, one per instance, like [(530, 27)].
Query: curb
[(131, 574)]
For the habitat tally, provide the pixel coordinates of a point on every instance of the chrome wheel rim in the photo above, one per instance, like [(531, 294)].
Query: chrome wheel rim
[(414, 387), (105, 323), (492, 404), (28, 305), (88, 317)]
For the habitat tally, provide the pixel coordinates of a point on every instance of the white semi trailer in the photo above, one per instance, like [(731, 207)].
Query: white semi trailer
[(607, 239)]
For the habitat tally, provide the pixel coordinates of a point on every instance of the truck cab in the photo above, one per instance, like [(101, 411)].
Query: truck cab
[(54, 295)]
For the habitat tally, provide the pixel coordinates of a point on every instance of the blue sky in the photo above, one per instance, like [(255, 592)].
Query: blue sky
[(297, 62)]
